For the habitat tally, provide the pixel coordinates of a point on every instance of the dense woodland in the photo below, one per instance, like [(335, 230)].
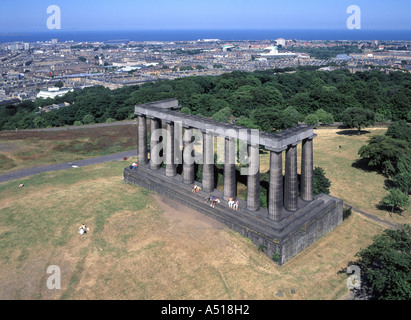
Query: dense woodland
[(270, 100)]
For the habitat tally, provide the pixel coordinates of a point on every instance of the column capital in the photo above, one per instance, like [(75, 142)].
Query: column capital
[(276, 150), (311, 137), (294, 144)]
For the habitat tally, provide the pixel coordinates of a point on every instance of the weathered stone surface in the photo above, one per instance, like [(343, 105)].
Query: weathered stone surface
[(253, 180), (188, 166), (230, 183), (307, 188), (142, 140), (290, 223), (291, 179), (208, 162), (275, 192), (170, 165), (154, 156)]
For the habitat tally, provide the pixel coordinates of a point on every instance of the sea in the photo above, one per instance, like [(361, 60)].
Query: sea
[(194, 35)]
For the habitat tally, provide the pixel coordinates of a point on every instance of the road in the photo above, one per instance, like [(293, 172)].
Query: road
[(64, 166), (88, 126)]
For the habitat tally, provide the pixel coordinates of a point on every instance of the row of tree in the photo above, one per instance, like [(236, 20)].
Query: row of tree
[(271, 100)]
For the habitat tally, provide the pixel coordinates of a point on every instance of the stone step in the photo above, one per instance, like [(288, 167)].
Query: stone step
[(173, 188)]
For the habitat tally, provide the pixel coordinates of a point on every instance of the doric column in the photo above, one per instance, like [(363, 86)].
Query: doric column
[(307, 189), (276, 191), (230, 183), (154, 156), (208, 162), (142, 140), (291, 179), (188, 163), (171, 169), (253, 178)]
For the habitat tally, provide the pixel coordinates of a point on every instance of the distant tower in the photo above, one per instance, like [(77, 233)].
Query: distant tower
[(281, 42)]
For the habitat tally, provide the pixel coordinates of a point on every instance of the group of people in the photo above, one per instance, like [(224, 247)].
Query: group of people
[(233, 204), (212, 200), (83, 229)]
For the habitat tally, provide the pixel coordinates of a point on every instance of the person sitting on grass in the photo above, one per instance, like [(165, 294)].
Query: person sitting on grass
[(83, 229), (21, 185)]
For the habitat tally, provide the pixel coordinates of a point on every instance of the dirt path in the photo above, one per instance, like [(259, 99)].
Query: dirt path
[(88, 126), (389, 224)]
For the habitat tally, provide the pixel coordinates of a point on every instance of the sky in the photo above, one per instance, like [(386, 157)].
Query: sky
[(90, 15)]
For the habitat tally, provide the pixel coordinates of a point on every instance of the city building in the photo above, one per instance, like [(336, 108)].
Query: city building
[(53, 92)]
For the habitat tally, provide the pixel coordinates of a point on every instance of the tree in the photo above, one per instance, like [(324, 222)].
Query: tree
[(311, 120), (321, 183), (403, 177), (396, 199), (246, 122), (358, 118), (324, 117), (400, 130), (59, 84), (88, 119), (386, 265), (382, 154), (185, 110), (328, 119), (39, 122), (223, 115), (273, 119)]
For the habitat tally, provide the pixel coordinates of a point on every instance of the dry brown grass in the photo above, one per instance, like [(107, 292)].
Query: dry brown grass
[(19, 150), (142, 246)]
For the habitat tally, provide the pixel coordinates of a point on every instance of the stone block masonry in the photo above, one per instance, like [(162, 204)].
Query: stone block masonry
[(294, 218)]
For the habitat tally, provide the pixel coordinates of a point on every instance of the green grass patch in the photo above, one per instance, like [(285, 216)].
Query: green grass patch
[(6, 163)]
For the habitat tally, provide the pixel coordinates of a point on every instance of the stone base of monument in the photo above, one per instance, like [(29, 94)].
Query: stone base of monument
[(280, 240)]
